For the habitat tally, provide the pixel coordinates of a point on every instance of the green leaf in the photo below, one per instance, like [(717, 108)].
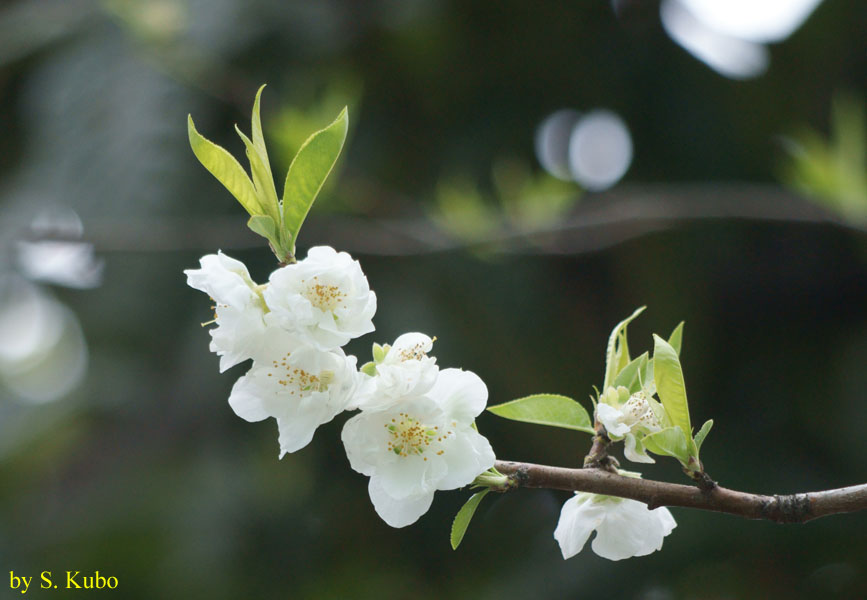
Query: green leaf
[(546, 409), (630, 375), (702, 433), (263, 181), (617, 354), (258, 138), (668, 442), (464, 516), (379, 353), (308, 172), (368, 368), (670, 386), (225, 168), (676, 338), (647, 379), (264, 226)]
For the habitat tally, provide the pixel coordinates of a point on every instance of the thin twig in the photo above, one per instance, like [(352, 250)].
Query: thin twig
[(791, 508)]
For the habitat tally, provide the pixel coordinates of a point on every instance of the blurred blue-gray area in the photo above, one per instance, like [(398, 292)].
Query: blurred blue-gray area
[(118, 450)]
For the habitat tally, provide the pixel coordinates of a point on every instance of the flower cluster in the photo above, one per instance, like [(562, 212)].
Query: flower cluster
[(415, 433), (630, 418)]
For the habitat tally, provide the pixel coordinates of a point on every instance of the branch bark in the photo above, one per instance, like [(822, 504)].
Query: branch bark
[(791, 508)]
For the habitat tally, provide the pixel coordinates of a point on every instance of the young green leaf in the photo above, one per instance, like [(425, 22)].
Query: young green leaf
[(546, 409), (702, 433), (464, 516), (225, 168), (631, 375), (676, 338), (669, 383), (617, 354), (379, 353), (668, 442), (264, 226), (263, 181), (368, 368), (308, 172), (258, 138)]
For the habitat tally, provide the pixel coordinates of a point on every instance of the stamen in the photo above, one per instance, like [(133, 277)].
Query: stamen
[(324, 297), (410, 437)]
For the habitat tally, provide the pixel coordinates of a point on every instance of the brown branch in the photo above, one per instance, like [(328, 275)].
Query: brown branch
[(792, 508)]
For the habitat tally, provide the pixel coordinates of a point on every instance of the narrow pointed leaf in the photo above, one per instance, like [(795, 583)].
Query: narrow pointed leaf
[(668, 442), (702, 433), (258, 138), (546, 409), (669, 383), (647, 380), (464, 516), (676, 338), (259, 144), (225, 168), (617, 353), (263, 181), (631, 375), (308, 172)]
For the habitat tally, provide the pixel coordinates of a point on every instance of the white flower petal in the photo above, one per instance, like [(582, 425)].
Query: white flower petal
[(297, 431), (630, 529), (468, 455), (398, 512), (411, 475), (611, 418), (224, 279), (461, 394), (362, 449), (578, 518), (632, 452), (246, 402)]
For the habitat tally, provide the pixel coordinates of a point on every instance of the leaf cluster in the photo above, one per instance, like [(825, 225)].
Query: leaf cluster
[(277, 220)]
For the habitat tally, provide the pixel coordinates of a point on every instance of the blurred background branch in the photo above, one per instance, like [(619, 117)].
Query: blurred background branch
[(602, 220)]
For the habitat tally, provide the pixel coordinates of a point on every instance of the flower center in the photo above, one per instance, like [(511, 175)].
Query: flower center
[(637, 411), (324, 297), (410, 437), (298, 381), (416, 352)]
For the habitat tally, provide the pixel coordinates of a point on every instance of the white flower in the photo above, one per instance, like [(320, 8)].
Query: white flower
[(324, 298), (633, 418), (624, 528), (300, 386), (405, 370), (419, 445), (239, 311)]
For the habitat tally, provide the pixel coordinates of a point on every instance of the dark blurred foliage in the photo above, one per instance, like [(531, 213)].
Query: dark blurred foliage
[(144, 473)]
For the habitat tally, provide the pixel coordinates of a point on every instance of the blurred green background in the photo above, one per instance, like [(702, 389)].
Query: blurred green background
[(743, 211)]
